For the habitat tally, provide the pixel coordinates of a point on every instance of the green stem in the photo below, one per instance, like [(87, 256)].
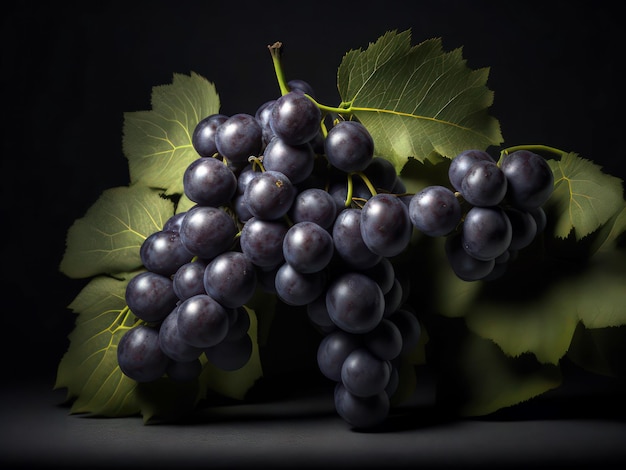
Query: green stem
[(536, 147), (367, 182), (349, 192), (280, 76)]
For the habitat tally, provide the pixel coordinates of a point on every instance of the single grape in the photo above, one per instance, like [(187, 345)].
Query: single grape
[(460, 165), (239, 325), (209, 182), (465, 266), (486, 233), (239, 138), (318, 313), (230, 355), (189, 279), (263, 114), (385, 225), (484, 184), (139, 355), (262, 241), (296, 288), (184, 371), (296, 162), (393, 298), (349, 146), (301, 85), (171, 342), (245, 175), (361, 412), (269, 195), (333, 350), (365, 374), (150, 296), (383, 273), (409, 327), (523, 228), (174, 222), (241, 208), (435, 211), (230, 279), (207, 231), (349, 244), (539, 214), (314, 205), (163, 252), (203, 137), (530, 179), (355, 302), (202, 322), (295, 118), (386, 340), (308, 247)]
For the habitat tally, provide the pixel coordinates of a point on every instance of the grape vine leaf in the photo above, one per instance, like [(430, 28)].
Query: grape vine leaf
[(584, 196), (107, 239), (157, 143), (415, 100)]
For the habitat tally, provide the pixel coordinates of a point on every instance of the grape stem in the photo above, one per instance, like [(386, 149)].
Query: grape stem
[(534, 147)]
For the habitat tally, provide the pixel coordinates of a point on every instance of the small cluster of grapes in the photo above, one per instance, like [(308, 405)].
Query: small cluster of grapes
[(502, 211)]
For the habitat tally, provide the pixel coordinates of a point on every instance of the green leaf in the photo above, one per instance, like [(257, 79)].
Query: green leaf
[(89, 369), (416, 100), (584, 197), (157, 143), (541, 318), (600, 350), (108, 238)]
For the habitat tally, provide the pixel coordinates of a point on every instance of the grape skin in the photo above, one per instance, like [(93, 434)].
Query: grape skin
[(269, 195), (296, 288), (484, 184), (230, 279), (203, 137), (486, 233), (202, 322), (314, 205), (460, 165), (262, 241), (349, 146), (295, 118), (333, 350), (172, 344), (209, 182), (150, 296), (435, 211), (163, 252), (207, 231), (530, 179), (239, 138), (361, 412), (385, 225), (230, 355), (349, 242), (465, 266), (294, 161), (355, 302), (139, 355), (308, 247)]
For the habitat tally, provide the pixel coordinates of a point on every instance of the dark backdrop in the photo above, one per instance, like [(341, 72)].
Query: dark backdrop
[(70, 71)]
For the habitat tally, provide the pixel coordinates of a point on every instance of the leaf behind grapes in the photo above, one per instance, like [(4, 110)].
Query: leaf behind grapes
[(416, 100)]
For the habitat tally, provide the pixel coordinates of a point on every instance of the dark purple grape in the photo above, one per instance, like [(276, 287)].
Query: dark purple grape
[(184, 371), (171, 342), (349, 146), (262, 241), (189, 279), (308, 247), (333, 350), (230, 355), (523, 228), (530, 179), (203, 137), (238, 326), (209, 182), (245, 175), (385, 225), (382, 174), (202, 321), (460, 165), (163, 253), (539, 214), (484, 184), (365, 374), (393, 298), (355, 302), (296, 288), (314, 205), (465, 266), (349, 244), (139, 355), (301, 85), (296, 162), (295, 118), (318, 313), (383, 273), (150, 296), (269, 195), (435, 211), (361, 412), (174, 222), (241, 208), (239, 138), (263, 114), (386, 340), (207, 231), (486, 232), (409, 327), (230, 279)]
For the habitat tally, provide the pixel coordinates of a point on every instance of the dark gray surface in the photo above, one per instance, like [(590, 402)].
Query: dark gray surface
[(303, 430)]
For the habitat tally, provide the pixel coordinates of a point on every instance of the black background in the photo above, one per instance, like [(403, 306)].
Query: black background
[(71, 69)]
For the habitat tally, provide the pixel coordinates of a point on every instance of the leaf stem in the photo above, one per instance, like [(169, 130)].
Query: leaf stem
[(537, 147)]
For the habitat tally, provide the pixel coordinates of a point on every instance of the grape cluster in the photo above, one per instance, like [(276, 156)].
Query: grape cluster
[(310, 216), (491, 211)]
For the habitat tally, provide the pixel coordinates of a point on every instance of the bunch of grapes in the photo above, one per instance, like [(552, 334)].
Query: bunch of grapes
[(301, 208), (495, 211)]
